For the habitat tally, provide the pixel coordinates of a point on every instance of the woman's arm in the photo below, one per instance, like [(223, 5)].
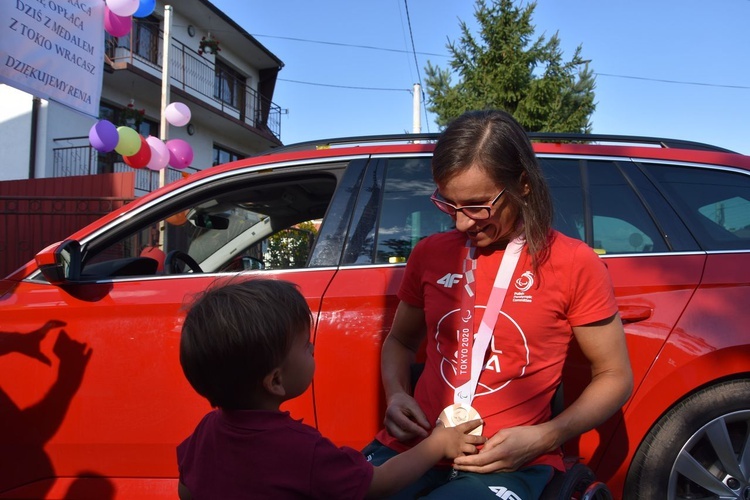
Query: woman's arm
[(404, 419), (603, 344)]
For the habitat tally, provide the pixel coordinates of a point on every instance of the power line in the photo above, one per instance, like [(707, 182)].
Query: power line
[(661, 80), (413, 51), (416, 63), (338, 44), (343, 86)]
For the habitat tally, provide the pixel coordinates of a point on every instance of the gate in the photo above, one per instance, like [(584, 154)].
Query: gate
[(37, 212)]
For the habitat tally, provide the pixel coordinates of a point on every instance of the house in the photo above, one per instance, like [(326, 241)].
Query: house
[(229, 92)]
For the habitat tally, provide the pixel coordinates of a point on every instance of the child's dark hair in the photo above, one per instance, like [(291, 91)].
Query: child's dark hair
[(236, 333)]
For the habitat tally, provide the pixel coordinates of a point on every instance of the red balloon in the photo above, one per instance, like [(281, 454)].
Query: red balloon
[(142, 157)]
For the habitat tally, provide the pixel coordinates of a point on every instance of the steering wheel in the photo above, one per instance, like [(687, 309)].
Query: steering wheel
[(176, 257)]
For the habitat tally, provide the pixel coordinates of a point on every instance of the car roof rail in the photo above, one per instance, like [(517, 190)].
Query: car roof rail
[(347, 141), (533, 136), (622, 139)]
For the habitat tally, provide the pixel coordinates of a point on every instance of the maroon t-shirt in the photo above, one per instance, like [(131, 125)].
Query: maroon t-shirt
[(267, 454)]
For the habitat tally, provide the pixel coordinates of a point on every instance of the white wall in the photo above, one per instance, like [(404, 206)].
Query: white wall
[(15, 138)]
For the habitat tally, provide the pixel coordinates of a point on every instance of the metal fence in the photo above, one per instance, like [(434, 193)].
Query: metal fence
[(85, 160)]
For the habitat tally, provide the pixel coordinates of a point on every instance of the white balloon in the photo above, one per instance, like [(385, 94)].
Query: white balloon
[(123, 8), (177, 114), (159, 153)]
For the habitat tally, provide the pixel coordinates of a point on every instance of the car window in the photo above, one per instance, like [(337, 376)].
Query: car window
[(393, 212), (594, 202), (260, 222), (713, 202), (407, 214)]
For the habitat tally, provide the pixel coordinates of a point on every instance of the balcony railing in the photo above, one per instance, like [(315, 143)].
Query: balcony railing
[(85, 160), (196, 75)]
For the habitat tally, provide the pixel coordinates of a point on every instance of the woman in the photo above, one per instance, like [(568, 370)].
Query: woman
[(498, 301)]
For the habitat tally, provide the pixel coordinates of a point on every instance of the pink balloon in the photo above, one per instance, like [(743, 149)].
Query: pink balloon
[(159, 153), (123, 8), (180, 153), (116, 25), (177, 114)]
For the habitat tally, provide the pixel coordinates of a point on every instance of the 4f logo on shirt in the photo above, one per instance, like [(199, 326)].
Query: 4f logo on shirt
[(449, 280), (504, 493)]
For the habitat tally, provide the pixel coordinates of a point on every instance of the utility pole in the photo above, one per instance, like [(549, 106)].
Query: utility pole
[(163, 125), (416, 111), (165, 84)]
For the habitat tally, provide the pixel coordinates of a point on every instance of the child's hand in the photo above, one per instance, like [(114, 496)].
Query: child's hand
[(456, 441)]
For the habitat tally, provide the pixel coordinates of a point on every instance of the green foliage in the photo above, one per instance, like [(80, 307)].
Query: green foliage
[(290, 248), (506, 68)]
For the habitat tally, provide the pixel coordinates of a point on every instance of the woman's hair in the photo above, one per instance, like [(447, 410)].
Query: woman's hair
[(494, 141), (236, 333)]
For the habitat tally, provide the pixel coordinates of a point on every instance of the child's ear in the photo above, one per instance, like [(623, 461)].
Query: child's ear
[(273, 383)]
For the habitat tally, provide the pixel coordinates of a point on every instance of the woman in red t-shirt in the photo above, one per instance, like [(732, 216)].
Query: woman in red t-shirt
[(497, 302)]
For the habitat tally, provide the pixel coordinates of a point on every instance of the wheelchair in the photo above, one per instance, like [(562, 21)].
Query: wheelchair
[(577, 482)]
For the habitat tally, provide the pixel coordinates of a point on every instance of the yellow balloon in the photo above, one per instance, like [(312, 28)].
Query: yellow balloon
[(129, 143)]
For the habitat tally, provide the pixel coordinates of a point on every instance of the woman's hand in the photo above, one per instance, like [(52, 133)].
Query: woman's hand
[(404, 419), (507, 450)]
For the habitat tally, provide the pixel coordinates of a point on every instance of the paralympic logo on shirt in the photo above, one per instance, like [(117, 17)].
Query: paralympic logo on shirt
[(508, 352)]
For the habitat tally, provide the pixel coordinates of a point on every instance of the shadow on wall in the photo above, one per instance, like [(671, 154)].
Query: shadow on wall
[(24, 432)]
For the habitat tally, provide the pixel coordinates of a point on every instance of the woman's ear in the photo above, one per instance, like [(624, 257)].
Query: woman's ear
[(523, 181), (273, 383)]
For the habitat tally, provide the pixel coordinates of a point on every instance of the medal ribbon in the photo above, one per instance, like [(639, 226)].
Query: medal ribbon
[(471, 350)]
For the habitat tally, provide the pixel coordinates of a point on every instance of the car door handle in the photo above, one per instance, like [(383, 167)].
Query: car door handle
[(633, 313)]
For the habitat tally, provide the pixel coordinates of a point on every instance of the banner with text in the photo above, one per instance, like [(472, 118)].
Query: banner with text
[(54, 49)]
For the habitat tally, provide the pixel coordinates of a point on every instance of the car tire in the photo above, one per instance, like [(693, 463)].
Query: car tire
[(695, 449)]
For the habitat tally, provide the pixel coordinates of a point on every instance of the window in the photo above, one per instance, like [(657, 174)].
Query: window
[(146, 42), (714, 203), (236, 225), (222, 155), (401, 187), (229, 86), (595, 203), (407, 215)]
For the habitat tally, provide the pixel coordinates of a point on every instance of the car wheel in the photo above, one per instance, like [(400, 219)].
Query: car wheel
[(699, 450)]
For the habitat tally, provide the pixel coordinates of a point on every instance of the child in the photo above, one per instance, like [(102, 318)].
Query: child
[(245, 346)]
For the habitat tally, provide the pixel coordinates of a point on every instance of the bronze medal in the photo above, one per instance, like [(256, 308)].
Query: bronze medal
[(459, 413)]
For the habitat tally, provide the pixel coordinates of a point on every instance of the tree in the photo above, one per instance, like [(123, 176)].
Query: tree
[(505, 69), (290, 247)]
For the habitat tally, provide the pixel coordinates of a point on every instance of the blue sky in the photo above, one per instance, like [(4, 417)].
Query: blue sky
[(669, 68)]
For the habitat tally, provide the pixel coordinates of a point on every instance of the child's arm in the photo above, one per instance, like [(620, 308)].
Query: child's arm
[(407, 467)]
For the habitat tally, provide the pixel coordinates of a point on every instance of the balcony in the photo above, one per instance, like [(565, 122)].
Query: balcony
[(221, 87)]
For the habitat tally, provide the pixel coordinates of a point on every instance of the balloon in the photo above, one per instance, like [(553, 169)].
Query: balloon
[(145, 8), (123, 8), (180, 153), (142, 157), (116, 25), (130, 141), (103, 136), (159, 153), (178, 219), (177, 114)]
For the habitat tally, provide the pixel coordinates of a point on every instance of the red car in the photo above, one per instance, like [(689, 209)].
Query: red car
[(94, 400)]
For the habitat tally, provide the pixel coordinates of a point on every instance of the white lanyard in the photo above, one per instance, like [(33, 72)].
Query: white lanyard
[(464, 393)]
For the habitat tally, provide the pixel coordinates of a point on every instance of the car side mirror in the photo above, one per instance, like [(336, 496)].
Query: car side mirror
[(60, 263)]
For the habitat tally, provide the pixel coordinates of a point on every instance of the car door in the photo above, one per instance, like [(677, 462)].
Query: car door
[(391, 214), (609, 204), (106, 400)]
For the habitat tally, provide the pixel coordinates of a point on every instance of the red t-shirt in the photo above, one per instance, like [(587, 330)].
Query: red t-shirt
[(523, 363), (267, 454)]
